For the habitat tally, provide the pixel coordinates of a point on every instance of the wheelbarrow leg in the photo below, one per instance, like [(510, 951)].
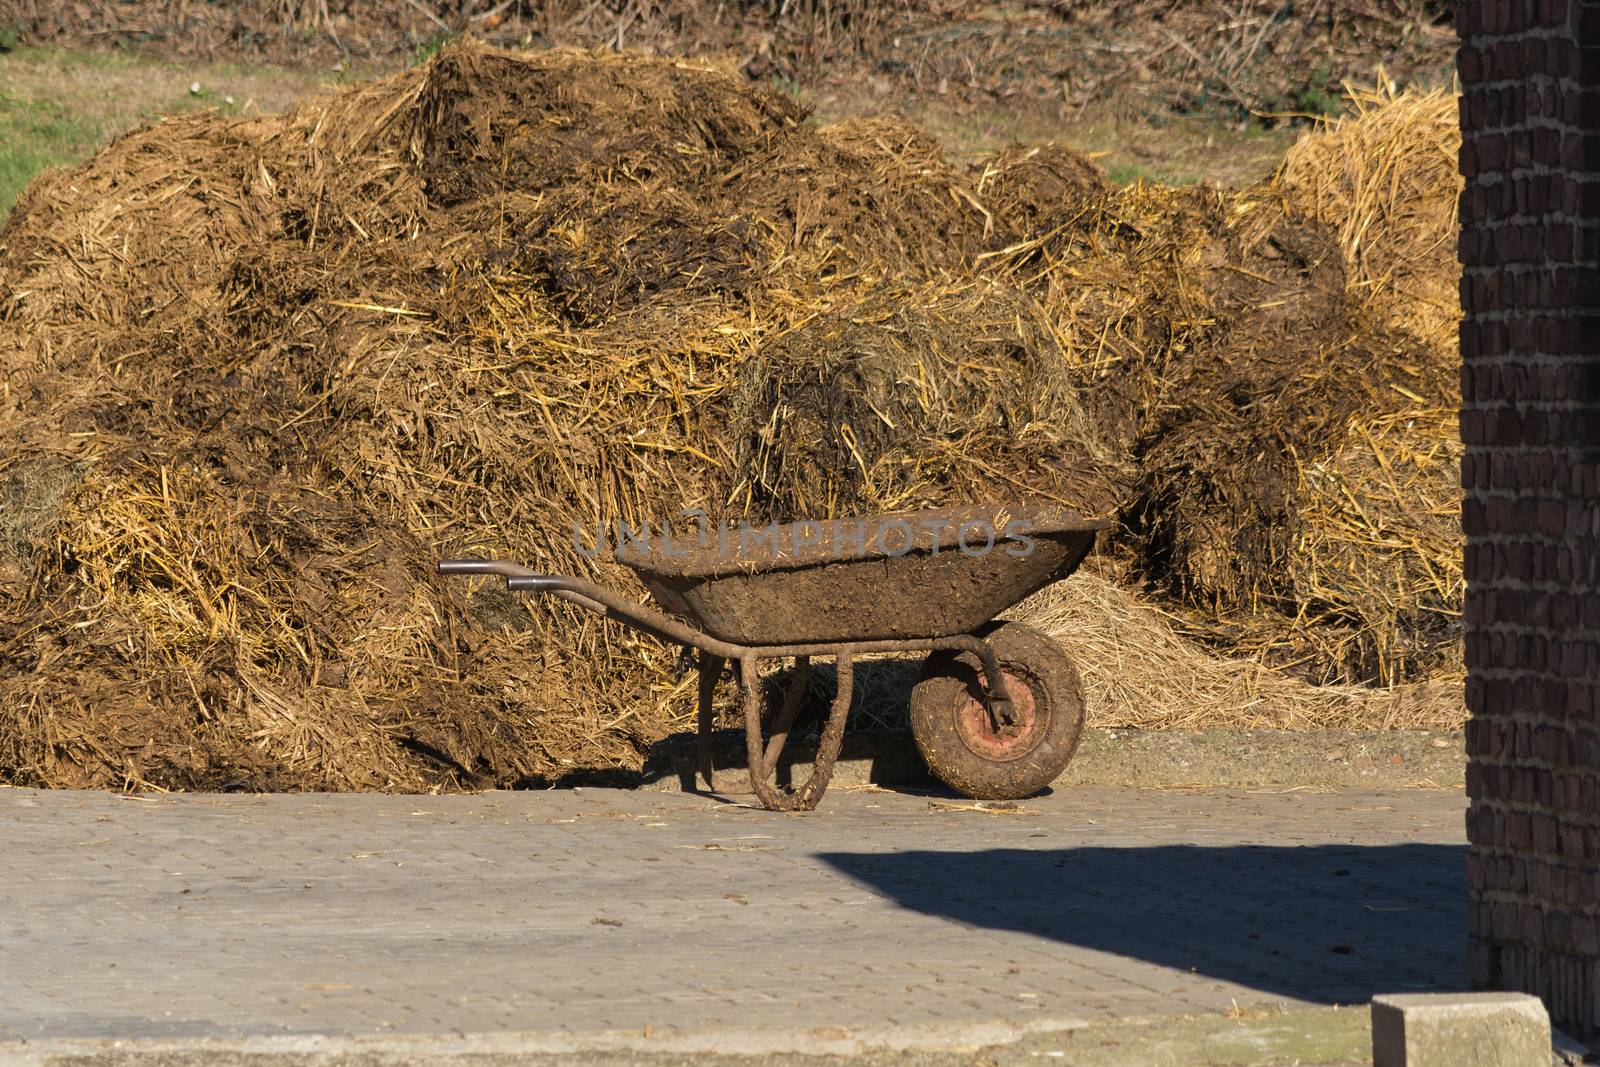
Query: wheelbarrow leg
[(710, 671), (793, 699), (756, 750)]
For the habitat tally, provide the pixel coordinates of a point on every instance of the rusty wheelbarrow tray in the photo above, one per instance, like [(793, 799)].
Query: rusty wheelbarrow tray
[(998, 709)]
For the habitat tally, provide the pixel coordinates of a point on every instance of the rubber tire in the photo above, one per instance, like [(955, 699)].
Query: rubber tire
[(949, 680)]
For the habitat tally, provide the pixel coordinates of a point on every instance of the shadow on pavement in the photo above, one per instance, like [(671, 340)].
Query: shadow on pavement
[(1327, 923)]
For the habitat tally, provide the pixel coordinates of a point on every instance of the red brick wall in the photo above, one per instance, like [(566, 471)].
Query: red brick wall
[(1530, 346)]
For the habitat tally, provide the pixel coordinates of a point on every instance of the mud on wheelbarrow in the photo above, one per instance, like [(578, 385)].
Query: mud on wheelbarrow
[(997, 710)]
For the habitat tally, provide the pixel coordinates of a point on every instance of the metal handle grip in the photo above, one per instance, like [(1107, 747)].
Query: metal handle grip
[(503, 568), (594, 597)]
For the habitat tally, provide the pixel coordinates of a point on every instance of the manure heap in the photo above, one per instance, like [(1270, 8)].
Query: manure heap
[(257, 374)]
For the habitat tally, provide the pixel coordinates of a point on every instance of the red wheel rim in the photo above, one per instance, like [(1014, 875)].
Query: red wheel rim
[(976, 728)]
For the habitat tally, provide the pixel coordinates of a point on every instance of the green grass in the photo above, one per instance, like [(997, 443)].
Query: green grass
[(34, 135), (430, 48), (58, 106)]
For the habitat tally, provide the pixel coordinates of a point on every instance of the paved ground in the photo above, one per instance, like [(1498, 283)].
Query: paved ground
[(1157, 759), (601, 919)]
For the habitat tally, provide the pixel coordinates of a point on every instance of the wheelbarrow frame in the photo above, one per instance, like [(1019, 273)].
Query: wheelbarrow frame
[(715, 654)]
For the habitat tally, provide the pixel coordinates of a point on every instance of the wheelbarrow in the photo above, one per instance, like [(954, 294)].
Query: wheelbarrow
[(997, 710)]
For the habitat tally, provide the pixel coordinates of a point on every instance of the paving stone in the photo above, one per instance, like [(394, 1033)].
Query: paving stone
[(594, 910)]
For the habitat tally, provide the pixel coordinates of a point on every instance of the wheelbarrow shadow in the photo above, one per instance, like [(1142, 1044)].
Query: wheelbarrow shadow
[(1329, 924), (878, 748)]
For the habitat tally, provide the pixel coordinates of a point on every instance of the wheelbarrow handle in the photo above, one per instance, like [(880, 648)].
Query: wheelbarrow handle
[(596, 598), (603, 601), (504, 568)]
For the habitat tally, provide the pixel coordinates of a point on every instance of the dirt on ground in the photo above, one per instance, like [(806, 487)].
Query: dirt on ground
[(257, 374), (1251, 58)]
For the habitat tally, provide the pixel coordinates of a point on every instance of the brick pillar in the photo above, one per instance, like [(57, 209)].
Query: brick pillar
[(1530, 419)]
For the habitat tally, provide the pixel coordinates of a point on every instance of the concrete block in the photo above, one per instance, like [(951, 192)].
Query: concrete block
[(1460, 1030)]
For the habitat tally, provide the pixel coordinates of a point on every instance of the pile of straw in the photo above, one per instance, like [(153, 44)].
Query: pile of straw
[(1296, 467), (1378, 556), (256, 375), (1386, 177), (908, 394), (1140, 671), (1380, 547)]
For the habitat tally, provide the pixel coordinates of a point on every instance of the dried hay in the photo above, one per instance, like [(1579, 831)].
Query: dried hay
[(1140, 671), (1380, 515), (295, 359), (1386, 177), (1152, 286), (1304, 500), (1383, 511), (256, 375), (1039, 189), (1290, 409), (885, 404)]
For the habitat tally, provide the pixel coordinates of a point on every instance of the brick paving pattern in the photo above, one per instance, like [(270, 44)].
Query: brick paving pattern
[(591, 911)]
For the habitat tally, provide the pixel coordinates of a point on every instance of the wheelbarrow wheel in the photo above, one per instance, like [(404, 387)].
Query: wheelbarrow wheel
[(958, 737)]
